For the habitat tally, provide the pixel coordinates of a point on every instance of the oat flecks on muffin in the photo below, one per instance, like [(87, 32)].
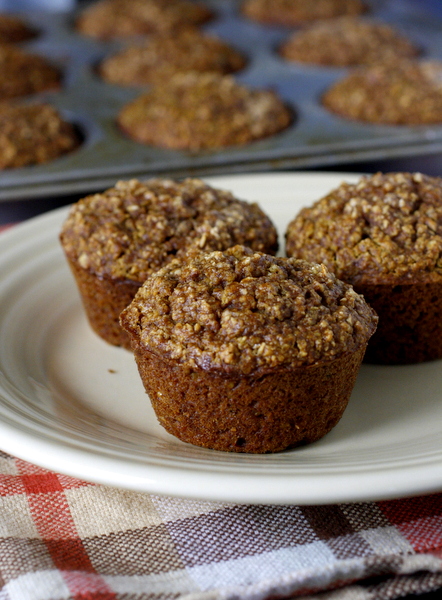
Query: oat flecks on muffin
[(386, 225), (136, 227), (107, 19), (383, 235), (299, 12), (347, 41), (163, 55), (196, 111), (33, 134), (242, 311), (13, 29), (23, 73), (114, 240), (240, 351), (406, 93)]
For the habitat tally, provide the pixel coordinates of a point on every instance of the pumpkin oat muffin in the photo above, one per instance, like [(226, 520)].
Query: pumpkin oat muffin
[(162, 56), (196, 111), (33, 134), (294, 13), (107, 19), (245, 352), (346, 41), (115, 239), (14, 29), (23, 73), (405, 93), (383, 235)]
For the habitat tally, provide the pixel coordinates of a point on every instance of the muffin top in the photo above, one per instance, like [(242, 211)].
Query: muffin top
[(163, 55), (23, 73), (33, 134), (196, 111), (398, 93), (346, 41), (241, 311), (299, 12), (13, 29), (107, 19), (387, 228), (134, 228)]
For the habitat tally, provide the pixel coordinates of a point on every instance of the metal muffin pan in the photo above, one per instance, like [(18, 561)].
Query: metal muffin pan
[(316, 137)]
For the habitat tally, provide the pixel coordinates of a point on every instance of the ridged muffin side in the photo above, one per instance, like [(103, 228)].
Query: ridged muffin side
[(247, 352)]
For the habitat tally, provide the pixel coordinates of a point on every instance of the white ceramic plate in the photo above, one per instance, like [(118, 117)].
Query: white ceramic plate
[(71, 403)]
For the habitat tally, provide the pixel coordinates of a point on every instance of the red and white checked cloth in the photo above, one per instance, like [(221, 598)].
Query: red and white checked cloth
[(65, 539)]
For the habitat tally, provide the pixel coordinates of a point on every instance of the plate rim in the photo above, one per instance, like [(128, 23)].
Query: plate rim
[(55, 456)]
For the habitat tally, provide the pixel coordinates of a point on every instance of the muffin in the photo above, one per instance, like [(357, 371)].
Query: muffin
[(383, 235), (162, 56), (245, 352), (107, 19), (294, 13), (346, 41), (33, 134), (23, 73), (115, 239), (197, 111), (404, 93), (14, 29)]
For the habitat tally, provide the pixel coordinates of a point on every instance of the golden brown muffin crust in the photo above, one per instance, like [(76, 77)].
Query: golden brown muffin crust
[(347, 41), (298, 12), (134, 228), (33, 134), (195, 111), (108, 19), (162, 56), (22, 73), (404, 93), (386, 228), (241, 311)]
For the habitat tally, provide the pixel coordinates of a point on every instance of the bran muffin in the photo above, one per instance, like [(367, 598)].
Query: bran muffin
[(383, 235), (162, 56), (23, 73), (13, 29), (115, 239), (245, 352), (346, 41), (405, 93), (34, 134), (197, 111), (294, 13), (107, 19)]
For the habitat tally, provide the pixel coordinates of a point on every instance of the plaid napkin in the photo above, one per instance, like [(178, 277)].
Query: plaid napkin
[(62, 539)]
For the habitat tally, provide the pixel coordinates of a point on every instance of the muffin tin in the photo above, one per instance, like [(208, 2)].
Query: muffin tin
[(316, 137)]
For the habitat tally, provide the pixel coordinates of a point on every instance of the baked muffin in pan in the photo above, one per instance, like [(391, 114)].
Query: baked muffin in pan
[(107, 19), (163, 55), (14, 29), (33, 134), (198, 111), (294, 13), (383, 235), (245, 352), (347, 41), (406, 92), (23, 73), (114, 240)]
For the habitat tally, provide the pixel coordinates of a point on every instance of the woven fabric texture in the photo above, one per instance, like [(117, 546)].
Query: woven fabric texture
[(63, 539)]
